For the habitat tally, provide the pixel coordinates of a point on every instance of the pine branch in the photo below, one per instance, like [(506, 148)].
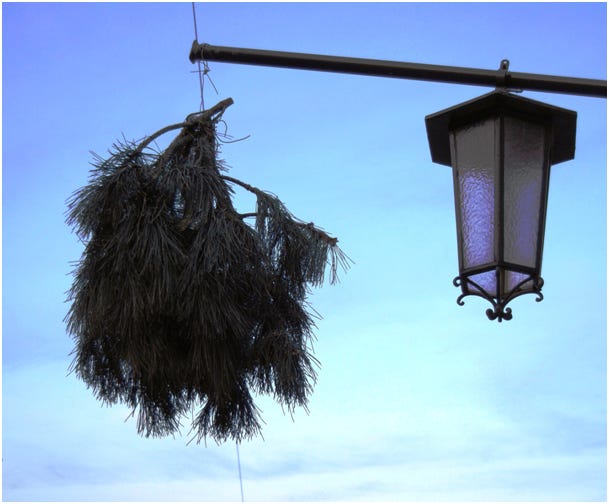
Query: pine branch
[(176, 300), (337, 257)]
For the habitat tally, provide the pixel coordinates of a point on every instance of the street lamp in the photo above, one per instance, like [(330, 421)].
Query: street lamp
[(501, 147)]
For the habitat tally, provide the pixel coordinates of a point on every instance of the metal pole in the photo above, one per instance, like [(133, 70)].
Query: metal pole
[(401, 70)]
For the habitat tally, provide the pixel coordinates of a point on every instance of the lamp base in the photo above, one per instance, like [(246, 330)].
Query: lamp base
[(499, 311)]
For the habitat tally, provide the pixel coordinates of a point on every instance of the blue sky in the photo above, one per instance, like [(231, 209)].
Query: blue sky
[(417, 398)]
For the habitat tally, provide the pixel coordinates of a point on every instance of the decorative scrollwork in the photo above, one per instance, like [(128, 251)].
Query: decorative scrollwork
[(499, 311), (538, 286)]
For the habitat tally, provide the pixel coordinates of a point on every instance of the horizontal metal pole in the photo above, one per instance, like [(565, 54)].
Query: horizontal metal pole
[(400, 70)]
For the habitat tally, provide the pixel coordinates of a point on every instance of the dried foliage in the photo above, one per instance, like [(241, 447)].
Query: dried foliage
[(179, 301)]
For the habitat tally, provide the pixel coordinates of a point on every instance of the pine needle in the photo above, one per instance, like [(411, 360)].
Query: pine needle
[(177, 301)]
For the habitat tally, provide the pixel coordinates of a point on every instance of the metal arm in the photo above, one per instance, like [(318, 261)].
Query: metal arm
[(400, 70)]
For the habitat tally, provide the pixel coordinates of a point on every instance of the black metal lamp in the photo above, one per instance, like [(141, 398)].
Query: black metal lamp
[(501, 148)]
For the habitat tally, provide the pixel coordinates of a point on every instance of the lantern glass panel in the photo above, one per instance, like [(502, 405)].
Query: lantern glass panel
[(473, 152), (487, 281), (513, 279), (524, 163), (512, 283)]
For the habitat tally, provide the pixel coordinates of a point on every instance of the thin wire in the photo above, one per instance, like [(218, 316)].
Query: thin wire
[(201, 80), (239, 466), (201, 84)]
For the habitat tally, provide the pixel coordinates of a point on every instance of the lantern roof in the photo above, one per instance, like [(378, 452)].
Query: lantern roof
[(498, 102)]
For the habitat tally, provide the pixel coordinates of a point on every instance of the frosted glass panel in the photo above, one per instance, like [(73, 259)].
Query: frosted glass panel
[(513, 278), (524, 163), (473, 162), (486, 280)]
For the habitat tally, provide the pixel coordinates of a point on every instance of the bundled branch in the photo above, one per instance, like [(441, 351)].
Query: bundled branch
[(179, 301)]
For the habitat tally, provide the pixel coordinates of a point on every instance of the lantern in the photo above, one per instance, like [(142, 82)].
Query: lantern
[(501, 147)]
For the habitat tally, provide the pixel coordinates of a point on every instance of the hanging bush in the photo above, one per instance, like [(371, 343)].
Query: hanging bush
[(181, 301)]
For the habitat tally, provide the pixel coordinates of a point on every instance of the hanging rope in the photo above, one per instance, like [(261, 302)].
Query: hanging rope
[(201, 85), (239, 466), (200, 72)]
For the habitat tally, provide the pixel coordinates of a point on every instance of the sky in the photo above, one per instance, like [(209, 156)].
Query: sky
[(418, 398)]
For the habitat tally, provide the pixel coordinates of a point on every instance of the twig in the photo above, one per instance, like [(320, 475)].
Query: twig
[(310, 225), (245, 185), (219, 108)]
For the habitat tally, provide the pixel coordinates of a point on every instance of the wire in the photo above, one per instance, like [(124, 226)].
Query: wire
[(239, 466), (201, 84), (201, 80)]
